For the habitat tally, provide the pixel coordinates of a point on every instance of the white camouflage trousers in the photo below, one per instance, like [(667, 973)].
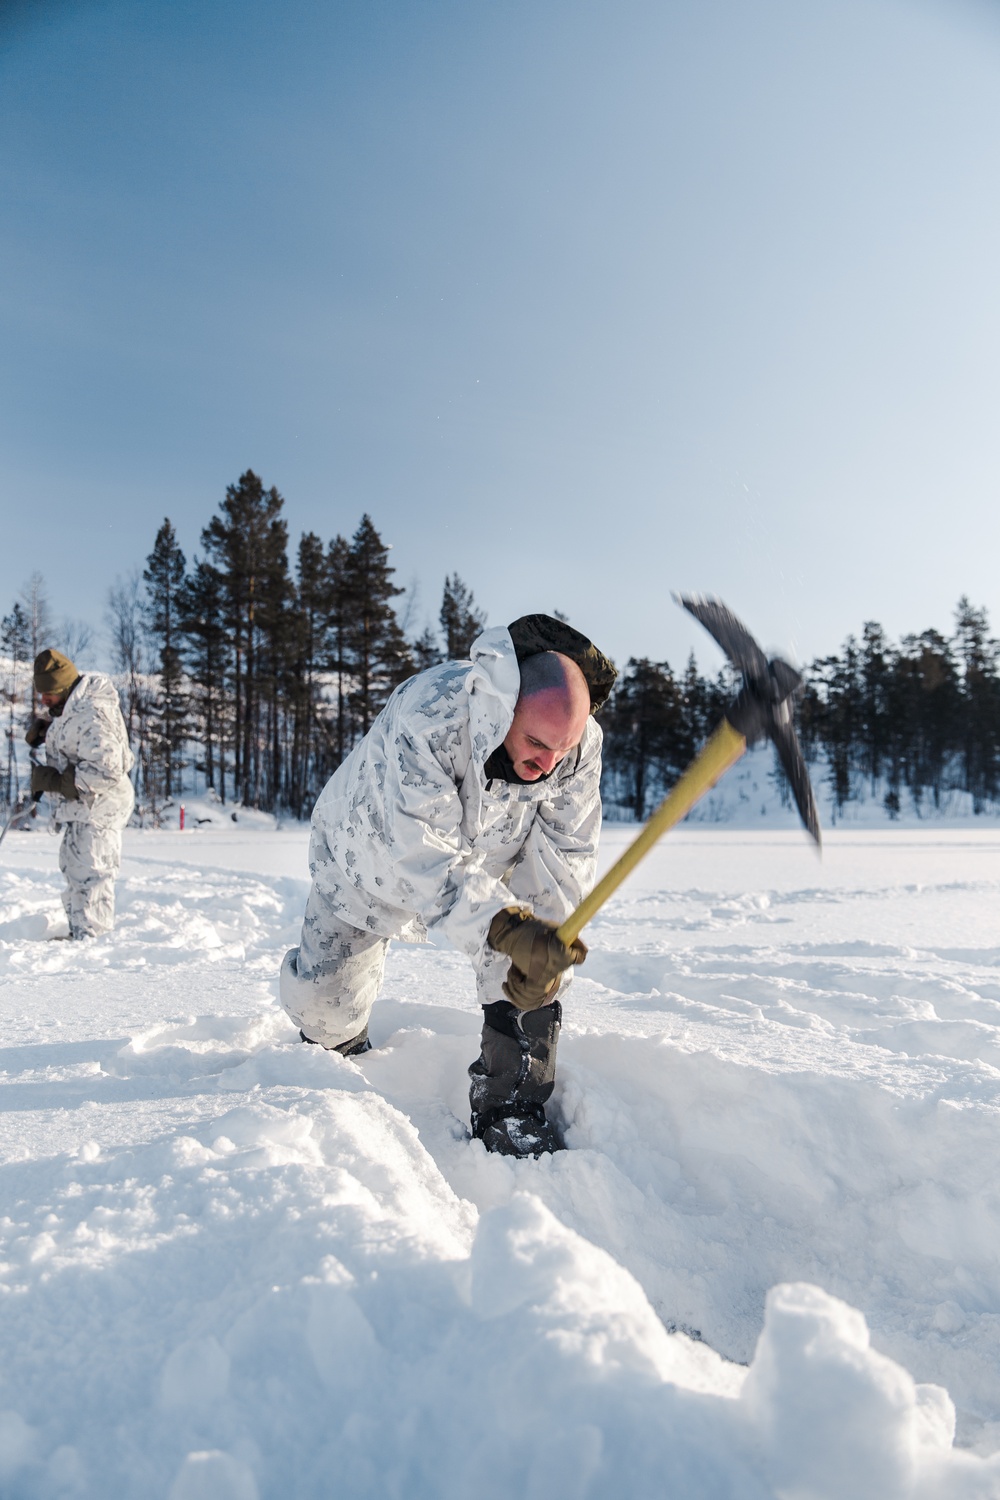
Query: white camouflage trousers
[(329, 983), (90, 859)]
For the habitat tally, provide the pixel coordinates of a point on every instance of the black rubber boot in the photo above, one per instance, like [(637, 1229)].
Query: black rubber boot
[(353, 1048), (513, 1078)]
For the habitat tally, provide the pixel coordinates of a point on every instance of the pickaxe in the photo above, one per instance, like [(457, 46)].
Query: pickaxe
[(26, 805), (761, 711), (24, 808)]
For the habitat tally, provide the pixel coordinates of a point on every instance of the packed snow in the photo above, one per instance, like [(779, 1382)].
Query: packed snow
[(238, 1267)]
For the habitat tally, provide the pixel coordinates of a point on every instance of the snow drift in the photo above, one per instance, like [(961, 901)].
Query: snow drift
[(234, 1266)]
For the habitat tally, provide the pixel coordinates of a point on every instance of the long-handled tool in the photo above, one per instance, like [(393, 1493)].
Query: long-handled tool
[(26, 805), (24, 808), (762, 710)]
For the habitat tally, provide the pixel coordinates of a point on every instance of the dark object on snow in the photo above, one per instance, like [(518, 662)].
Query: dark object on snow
[(513, 1078), (352, 1048), (763, 710)]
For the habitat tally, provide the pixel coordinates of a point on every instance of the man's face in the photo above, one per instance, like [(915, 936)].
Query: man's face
[(51, 699), (543, 732)]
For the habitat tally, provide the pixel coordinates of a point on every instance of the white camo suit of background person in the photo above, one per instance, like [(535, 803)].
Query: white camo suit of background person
[(87, 745)]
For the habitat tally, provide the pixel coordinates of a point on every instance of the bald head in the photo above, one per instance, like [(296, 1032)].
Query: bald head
[(551, 714)]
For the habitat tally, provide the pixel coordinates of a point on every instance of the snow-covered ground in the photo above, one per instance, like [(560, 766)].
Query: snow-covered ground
[(234, 1266)]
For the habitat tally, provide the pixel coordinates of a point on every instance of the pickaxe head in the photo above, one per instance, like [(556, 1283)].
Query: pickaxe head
[(763, 708)]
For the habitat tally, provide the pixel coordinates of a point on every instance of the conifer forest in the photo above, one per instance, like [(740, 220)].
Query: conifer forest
[(248, 675)]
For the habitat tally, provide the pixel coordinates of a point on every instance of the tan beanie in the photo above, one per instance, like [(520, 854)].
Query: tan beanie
[(54, 673)]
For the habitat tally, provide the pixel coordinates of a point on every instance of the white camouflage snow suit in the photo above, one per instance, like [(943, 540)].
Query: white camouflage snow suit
[(409, 837), (90, 736)]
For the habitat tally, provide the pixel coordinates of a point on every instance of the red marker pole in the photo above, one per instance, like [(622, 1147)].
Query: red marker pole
[(182, 817)]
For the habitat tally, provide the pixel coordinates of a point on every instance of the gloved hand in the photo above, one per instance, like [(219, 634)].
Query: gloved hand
[(36, 731), (537, 957), (48, 779)]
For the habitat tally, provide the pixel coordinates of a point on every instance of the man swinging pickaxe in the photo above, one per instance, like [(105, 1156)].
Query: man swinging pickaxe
[(762, 710)]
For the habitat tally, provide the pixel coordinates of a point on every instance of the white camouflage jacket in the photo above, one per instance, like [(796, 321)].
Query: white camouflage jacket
[(408, 836), (90, 735)]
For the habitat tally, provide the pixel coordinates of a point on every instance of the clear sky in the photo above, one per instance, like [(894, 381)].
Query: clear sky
[(588, 300)]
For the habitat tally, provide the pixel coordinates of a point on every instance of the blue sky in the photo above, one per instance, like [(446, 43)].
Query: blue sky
[(587, 300)]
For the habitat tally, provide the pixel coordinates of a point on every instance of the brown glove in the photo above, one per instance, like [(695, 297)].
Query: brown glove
[(36, 731), (48, 779), (537, 956)]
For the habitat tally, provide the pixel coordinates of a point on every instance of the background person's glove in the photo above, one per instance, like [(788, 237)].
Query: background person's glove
[(537, 956), (36, 731), (48, 779)]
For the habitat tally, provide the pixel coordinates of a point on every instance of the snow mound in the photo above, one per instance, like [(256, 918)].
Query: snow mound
[(833, 1418)]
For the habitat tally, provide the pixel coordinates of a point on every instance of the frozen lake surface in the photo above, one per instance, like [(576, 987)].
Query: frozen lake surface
[(235, 1266)]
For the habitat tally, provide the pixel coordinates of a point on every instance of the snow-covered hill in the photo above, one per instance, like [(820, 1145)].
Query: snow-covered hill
[(236, 1266), (751, 796)]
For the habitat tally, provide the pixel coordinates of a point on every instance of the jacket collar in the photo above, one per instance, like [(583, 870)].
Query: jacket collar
[(492, 683)]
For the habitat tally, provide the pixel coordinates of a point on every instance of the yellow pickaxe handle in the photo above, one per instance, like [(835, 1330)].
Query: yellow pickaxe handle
[(722, 751)]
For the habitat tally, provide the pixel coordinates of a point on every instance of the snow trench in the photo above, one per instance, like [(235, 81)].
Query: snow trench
[(233, 1266)]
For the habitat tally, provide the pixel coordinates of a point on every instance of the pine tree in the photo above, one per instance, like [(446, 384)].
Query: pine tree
[(874, 675), (124, 621), (426, 651), (201, 621), (839, 716), (460, 621), (248, 544), (980, 730), (377, 651), (164, 579), (338, 557), (647, 734), (704, 703), (15, 635), (898, 716), (307, 659), (278, 625), (924, 712)]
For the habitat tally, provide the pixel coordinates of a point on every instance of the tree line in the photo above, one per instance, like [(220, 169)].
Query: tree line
[(917, 719), (269, 671), (243, 671), (920, 718), (251, 676)]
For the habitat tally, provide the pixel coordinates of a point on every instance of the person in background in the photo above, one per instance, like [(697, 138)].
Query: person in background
[(471, 808), (86, 782)]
